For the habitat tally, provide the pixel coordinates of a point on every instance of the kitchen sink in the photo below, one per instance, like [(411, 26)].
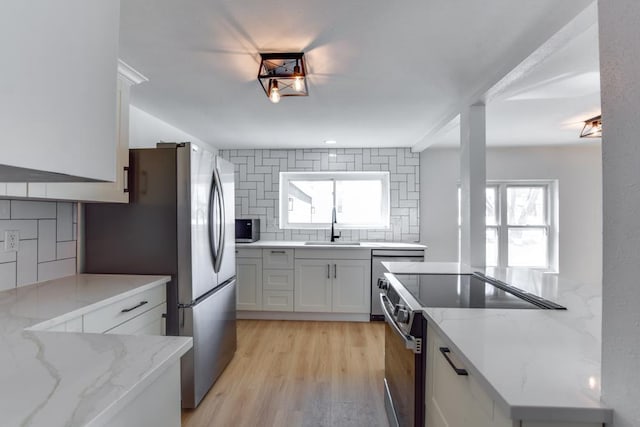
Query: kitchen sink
[(325, 243)]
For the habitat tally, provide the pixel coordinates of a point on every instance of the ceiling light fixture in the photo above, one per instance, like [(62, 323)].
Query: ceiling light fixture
[(592, 128), (283, 74), (330, 141)]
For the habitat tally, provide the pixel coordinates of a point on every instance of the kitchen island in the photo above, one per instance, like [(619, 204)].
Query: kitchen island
[(53, 379), (536, 366)]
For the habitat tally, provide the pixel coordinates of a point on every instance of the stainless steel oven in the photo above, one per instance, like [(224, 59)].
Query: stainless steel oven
[(404, 360)]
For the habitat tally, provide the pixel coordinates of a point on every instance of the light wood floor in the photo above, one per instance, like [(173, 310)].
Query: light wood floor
[(288, 373)]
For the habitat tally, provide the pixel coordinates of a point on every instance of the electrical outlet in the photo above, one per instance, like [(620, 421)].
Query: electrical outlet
[(11, 238)]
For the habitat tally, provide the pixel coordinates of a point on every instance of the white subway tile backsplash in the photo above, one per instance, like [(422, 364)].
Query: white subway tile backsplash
[(66, 250), (26, 209), (64, 222), (47, 247), (7, 276), (27, 229), (56, 269), (5, 209), (257, 186), (7, 256), (27, 262), (46, 240), (16, 189)]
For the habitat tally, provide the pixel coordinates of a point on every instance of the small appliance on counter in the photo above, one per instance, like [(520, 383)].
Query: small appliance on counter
[(247, 230)]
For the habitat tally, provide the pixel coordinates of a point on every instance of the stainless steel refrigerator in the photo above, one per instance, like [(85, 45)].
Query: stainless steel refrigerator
[(179, 222)]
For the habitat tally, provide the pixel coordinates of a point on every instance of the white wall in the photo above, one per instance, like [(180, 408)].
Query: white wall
[(578, 171), (145, 131), (619, 71)]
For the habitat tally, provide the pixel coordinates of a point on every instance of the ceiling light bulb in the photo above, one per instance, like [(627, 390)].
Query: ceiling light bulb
[(274, 93), (298, 84)]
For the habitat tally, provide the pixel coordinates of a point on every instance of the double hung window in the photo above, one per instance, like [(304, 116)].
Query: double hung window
[(520, 224)]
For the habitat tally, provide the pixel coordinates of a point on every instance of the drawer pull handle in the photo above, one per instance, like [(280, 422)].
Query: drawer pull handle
[(445, 352), (126, 310), (278, 252)]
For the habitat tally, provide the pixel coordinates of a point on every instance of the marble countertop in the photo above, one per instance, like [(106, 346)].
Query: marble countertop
[(427, 267), (300, 244), (74, 379), (539, 365)]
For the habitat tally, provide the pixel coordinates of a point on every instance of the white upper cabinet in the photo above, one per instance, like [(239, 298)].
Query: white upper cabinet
[(102, 191), (58, 89)]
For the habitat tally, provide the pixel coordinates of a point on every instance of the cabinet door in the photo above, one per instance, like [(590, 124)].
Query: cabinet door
[(351, 286), (58, 86), (249, 283), (101, 191), (312, 285), (455, 400)]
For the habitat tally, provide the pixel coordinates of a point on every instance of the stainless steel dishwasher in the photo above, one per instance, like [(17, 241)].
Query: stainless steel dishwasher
[(378, 256)]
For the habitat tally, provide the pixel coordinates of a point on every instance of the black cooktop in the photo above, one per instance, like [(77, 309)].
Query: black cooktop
[(469, 291)]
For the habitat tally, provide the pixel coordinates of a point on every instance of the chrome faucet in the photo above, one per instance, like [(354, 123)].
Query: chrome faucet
[(333, 222)]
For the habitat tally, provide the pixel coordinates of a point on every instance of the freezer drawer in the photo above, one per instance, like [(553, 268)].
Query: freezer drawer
[(212, 324)]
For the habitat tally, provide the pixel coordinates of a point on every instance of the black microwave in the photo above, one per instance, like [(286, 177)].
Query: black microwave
[(247, 230)]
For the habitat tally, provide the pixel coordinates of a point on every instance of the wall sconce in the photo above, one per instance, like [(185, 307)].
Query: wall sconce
[(283, 74), (592, 128)]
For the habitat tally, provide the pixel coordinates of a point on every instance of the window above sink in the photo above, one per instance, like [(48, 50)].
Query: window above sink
[(361, 200)]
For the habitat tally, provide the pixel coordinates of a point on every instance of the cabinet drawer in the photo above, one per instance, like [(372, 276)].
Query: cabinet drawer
[(333, 253), (277, 258), (248, 253), (148, 323), (112, 315), (277, 301), (450, 392), (277, 280)]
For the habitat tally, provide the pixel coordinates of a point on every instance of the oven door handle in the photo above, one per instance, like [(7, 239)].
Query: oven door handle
[(410, 343)]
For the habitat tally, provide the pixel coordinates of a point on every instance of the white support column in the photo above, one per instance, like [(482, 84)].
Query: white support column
[(619, 71), (472, 185)]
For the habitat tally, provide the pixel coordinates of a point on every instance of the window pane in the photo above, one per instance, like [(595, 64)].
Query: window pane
[(528, 247), (526, 205), (310, 201), (492, 247), (359, 202), (492, 207)]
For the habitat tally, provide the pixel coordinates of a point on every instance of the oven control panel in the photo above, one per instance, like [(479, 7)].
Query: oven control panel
[(395, 307)]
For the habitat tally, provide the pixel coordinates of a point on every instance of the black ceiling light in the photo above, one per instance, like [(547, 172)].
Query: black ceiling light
[(592, 128), (283, 74)]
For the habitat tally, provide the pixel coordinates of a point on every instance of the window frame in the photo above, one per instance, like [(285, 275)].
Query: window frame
[(503, 226), (283, 196)]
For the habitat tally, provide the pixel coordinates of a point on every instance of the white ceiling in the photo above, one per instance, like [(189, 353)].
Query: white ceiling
[(549, 105), (381, 73)]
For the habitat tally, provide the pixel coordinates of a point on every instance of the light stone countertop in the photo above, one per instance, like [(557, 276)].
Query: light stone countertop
[(74, 379), (301, 244), (539, 365)]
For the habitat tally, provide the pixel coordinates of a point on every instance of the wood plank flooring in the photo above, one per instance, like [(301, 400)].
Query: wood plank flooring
[(288, 373)]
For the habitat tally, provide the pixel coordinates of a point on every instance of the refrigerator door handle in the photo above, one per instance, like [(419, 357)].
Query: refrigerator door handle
[(212, 207), (221, 222)]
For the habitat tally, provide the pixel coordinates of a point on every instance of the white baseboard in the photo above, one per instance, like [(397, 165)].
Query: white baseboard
[(288, 315)]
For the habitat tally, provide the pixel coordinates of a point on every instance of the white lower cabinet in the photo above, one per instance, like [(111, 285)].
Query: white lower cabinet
[(313, 285), (249, 283), (335, 286), (277, 300), (454, 400), (351, 286), (144, 303), (158, 405)]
